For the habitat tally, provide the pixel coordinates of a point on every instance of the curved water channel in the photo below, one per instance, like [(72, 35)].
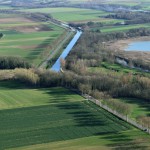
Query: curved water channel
[(57, 66)]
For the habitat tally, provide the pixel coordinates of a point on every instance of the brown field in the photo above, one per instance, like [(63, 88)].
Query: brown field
[(14, 20), (29, 29)]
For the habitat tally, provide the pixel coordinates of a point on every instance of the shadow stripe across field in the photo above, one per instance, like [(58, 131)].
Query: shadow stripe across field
[(57, 122)]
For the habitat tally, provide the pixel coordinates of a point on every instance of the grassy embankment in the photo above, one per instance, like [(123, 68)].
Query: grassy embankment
[(56, 118)]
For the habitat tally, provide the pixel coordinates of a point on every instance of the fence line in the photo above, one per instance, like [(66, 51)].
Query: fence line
[(125, 118)]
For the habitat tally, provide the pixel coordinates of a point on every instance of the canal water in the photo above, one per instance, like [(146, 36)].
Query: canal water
[(139, 46), (57, 66)]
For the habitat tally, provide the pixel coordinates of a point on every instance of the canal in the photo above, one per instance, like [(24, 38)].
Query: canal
[(57, 66)]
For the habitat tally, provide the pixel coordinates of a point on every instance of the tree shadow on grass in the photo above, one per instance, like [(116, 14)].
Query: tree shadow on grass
[(39, 49), (141, 103), (82, 116), (86, 118), (61, 95), (120, 141), (13, 84)]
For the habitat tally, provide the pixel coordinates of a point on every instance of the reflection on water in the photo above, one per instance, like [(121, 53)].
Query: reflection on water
[(139, 46)]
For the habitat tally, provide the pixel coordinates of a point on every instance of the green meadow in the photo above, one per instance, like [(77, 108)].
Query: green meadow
[(120, 27), (118, 69), (74, 14), (28, 39), (57, 118)]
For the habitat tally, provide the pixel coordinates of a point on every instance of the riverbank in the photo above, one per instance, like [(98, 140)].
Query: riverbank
[(121, 45), (119, 48)]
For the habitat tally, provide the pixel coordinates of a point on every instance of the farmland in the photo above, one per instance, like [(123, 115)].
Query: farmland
[(39, 110), (58, 118), (121, 27), (28, 39), (75, 14)]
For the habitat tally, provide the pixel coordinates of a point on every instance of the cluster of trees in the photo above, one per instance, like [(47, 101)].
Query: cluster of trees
[(104, 37), (27, 76), (144, 120), (96, 4), (90, 52), (13, 62), (88, 25), (92, 48), (121, 35), (39, 16), (118, 106), (131, 17), (102, 85)]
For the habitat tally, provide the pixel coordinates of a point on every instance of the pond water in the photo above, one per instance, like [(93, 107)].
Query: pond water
[(139, 46)]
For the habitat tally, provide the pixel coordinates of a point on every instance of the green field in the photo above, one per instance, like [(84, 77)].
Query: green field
[(120, 27), (56, 118), (117, 68), (75, 14), (28, 39)]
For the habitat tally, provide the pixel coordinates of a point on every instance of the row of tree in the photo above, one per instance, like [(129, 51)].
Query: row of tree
[(100, 85), (9, 62), (131, 17)]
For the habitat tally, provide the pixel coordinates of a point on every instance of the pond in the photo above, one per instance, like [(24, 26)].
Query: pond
[(139, 46)]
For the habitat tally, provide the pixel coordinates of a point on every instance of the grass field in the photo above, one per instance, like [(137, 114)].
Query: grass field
[(75, 14), (26, 38), (118, 69), (56, 118), (120, 27)]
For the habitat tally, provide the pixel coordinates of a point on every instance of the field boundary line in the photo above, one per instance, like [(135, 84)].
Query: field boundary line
[(115, 113)]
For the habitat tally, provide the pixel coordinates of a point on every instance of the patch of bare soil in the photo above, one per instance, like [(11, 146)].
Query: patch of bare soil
[(29, 29), (14, 20)]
